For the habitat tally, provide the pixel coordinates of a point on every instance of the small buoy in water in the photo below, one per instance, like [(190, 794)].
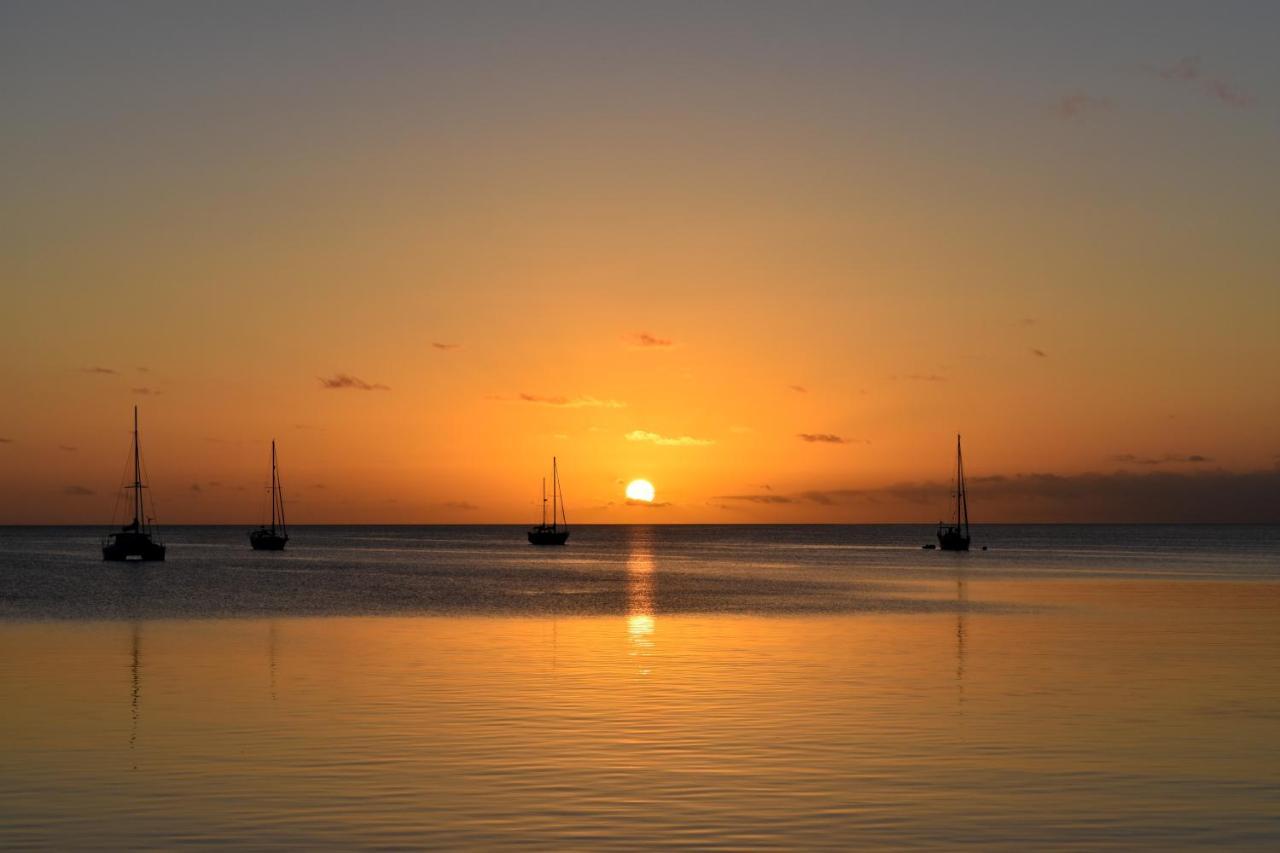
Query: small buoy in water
[(984, 547)]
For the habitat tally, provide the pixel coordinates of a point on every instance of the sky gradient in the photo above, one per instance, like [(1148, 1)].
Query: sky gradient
[(771, 257)]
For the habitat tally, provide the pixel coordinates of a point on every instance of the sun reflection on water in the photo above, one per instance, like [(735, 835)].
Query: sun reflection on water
[(640, 617)]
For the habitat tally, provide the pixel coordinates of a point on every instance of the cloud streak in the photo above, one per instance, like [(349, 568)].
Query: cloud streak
[(103, 371), (343, 381), (645, 339), (667, 441), (1188, 71), (77, 491), (1132, 459), (822, 438), (444, 346), (567, 402)]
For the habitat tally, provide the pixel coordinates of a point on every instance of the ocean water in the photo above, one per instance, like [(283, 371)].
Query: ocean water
[(798, 687)]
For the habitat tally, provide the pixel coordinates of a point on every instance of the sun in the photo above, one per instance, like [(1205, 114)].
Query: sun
[(640, 490)]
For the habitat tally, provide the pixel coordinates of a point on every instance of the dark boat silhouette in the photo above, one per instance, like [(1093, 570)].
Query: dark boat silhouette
[(134, 540), (551, 534), (268, 538), (955, 536)]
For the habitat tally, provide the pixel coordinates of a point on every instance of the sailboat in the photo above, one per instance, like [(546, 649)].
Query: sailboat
[(134, 539), (269, 538), (551, 534), (955, 536)]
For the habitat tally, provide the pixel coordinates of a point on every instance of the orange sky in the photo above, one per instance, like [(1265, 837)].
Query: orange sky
[(625, 248)]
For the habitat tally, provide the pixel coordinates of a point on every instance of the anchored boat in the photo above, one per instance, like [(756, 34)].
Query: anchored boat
[(269, 538), (551, 534), (955, 536), (134, 540)]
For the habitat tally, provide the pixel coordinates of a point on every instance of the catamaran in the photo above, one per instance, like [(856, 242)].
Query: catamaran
[(134, 539), (551, 534), (269, 538), (955, 536)]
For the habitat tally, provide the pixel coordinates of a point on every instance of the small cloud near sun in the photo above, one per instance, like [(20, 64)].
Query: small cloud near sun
[(799, 389), (667, 441), (445, 346)]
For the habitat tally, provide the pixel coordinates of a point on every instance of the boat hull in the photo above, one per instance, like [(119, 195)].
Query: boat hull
[(266, 540), (135, 546), (539, 536), (952, 540)]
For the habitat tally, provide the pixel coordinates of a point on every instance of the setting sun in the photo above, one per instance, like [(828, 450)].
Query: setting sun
[(640, 490)]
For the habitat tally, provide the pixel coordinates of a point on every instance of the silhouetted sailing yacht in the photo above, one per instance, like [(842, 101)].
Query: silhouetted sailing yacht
[(134, 539), (551, 534), (955, 537), (268, 538)]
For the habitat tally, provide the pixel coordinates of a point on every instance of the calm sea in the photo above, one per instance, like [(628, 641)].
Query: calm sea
[(798, 687)]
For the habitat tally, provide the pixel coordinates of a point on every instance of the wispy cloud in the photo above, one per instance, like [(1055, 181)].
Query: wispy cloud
[(1039, 353), (822, 438), (6, 441), (1228, 93), (342, 381), (105, 371), (1175, 458), (648, 504), (146, 392), (1188, 70), (1078, 104), (67, 447), (143, 369), (923, 377), (799, 389), (444, 346), (77, 491), (645, 339), (757, 499), (462, 505), (668, 441), (565, 402)]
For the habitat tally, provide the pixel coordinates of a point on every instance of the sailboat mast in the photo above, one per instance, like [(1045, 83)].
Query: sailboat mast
[(137, 474), (555, 485), (962, 505), (278, 488), (544, 501), (273, 485)]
